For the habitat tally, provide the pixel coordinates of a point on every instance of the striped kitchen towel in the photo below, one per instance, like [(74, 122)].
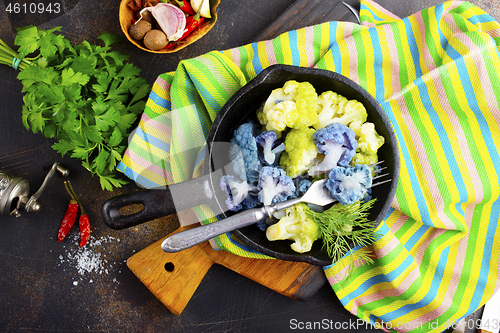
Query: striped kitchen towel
[(437, 76)]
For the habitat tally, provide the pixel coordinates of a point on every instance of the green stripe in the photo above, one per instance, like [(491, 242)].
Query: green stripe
[(278, 51), (360, 48)]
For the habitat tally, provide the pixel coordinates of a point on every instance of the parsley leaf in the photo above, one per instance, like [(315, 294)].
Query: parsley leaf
[(109, 39), (68, 77)]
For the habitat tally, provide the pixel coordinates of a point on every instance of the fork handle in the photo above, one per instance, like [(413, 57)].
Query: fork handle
[(188, 238), (191, 237)]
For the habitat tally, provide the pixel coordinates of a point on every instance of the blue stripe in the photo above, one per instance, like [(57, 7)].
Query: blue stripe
[(414, 51), (378, 61), (208, 99), (153, 140), (257, 66), (240, 245), (482, 18), (410, 243), (335, 52), (292, 38), (160, 101), (364, 7)]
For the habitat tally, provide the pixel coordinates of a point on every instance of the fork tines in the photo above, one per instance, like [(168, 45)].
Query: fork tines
[(378, 175)]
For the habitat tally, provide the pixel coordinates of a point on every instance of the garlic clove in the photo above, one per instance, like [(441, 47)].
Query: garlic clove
[(205, 7), (170, 18)]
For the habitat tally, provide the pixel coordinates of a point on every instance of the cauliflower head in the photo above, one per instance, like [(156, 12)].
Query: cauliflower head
[(293, 106), (296, 226), (274, 185), (369, 142), (335, 108), (348, 185), (243, 153), (300, 152), (306, 101), (337, 143)]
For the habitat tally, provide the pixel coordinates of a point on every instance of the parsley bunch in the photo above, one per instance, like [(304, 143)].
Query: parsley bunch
[(86, 97)]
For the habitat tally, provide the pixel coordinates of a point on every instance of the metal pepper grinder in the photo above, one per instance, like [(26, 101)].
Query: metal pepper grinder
[(14, 192)]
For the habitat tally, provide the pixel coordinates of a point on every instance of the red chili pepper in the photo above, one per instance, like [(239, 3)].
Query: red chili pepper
[(185, 6), (192, 22), (69, 217), (84, 221), (84, 229)]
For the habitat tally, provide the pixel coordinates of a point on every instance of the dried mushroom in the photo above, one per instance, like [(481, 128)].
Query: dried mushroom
[(155, 40), (139, 29)]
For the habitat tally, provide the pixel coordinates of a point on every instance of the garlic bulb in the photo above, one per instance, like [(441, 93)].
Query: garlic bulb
[(170, 18)]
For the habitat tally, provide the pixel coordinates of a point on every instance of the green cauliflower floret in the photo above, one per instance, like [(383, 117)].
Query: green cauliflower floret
[(293, 106), (369, 141), (335, 108), (307, 105), (362, 158), (300, 152), (296, 225)]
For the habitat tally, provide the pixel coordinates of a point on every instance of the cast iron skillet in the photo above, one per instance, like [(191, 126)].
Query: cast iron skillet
[(240, 108)]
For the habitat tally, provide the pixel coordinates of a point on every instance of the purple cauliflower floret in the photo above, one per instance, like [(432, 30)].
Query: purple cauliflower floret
[(349, 184), (239, 194), (268, 154), (304, 185), (301, 187), (243, 153), (274, 185), (338, 144)]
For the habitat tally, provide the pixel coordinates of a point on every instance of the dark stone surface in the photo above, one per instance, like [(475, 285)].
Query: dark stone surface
[(46, 286)]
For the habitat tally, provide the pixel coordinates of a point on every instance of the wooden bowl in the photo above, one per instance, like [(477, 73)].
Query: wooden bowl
[(127, 16)]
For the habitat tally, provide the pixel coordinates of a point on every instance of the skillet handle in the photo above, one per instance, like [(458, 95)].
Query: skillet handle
[(155, 203)]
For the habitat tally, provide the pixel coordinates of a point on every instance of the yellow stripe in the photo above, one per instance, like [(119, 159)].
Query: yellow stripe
[(249, 69), (301, 42), (325, 37), (416, 225), (435, 146), (346, 55), (263, 58), (143, 172), (285, 48), (385, 267)]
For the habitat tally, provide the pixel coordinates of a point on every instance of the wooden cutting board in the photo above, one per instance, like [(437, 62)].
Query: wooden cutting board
[(174, 277)]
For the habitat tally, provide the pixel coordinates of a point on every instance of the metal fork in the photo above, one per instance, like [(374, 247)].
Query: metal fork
[(316, 195)]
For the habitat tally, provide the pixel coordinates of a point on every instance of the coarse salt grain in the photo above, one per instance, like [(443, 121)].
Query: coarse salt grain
[(86, 259)]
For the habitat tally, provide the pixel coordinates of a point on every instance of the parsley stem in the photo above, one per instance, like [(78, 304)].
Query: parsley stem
[(7, 55)]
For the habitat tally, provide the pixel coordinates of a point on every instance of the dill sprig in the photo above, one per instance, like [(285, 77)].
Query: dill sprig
[(344, 228)]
